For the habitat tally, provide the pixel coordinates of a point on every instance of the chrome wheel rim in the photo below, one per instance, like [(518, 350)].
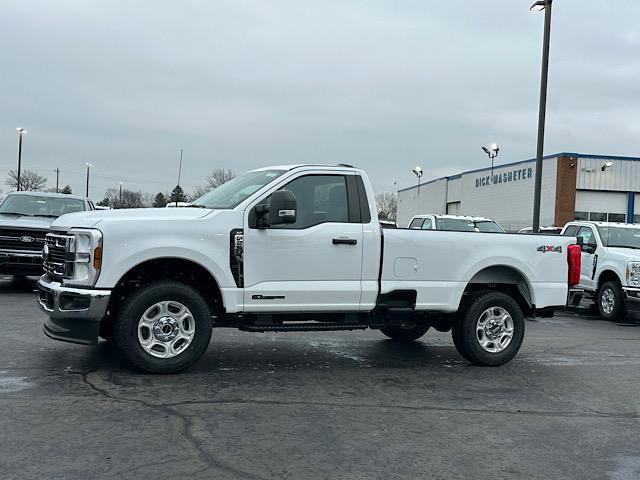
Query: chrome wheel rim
[(494, 329), (608, 301), (166, 329)]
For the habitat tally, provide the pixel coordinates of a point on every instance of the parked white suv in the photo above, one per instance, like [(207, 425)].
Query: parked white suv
[(291, 248), (454, 223), (610, 270)]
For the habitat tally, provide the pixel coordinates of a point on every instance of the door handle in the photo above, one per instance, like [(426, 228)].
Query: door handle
[(345, 241)]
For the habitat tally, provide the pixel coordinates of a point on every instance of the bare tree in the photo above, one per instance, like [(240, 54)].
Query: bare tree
[(130, 199), (387, 203), (197, 192), (29, 180), (219, 177)]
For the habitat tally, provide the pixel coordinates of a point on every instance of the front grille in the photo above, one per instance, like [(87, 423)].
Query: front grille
[(22, 240), (57, 262)]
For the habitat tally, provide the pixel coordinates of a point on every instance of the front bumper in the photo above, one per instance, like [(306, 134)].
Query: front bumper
[(74, 314), (20, 263), (632, 299)]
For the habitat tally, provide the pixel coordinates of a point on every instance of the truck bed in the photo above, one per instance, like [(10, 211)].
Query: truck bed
[(438, 265)]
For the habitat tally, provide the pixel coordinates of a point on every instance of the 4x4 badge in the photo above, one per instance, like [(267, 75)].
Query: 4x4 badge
[(549, 248)]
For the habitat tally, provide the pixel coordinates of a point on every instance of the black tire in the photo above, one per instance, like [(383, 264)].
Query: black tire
[(611, 291), (106, 330), (125, 327), (405, 333), (466, 338)]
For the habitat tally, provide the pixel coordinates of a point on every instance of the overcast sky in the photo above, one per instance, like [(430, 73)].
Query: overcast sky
[(385, 85)]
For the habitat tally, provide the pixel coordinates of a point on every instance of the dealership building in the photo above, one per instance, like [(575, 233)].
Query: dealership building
[(574, 186)]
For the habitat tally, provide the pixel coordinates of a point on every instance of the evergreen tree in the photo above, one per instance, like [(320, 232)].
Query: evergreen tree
[(178, 195), (159, 201), (66, 189)]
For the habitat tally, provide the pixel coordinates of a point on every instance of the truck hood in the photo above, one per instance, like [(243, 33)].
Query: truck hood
[(93, 218), (24, 221), (628, 254)]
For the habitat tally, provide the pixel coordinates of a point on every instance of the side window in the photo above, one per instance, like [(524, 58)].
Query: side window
[(320, 199), (416, 223), (427, 224), (571, 231), (587, 235)]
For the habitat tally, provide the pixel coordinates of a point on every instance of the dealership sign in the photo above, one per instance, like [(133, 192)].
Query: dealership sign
[(507, 177)]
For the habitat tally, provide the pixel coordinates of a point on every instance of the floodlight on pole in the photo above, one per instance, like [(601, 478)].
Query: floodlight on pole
[(418, 172), (539, 6), (492, 151), (21, 133)]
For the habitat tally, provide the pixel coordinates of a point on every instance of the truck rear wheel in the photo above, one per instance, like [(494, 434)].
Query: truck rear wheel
[(490, 329), (164, 327), (610, 300), (405, 332)]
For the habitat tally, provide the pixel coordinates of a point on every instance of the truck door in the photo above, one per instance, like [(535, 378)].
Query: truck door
[(313, 264), (588, 257)]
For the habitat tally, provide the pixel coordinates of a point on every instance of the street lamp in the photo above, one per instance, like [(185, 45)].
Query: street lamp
[(539, 6), (21, 133), (492, 150), (418, 172), (88, 167)]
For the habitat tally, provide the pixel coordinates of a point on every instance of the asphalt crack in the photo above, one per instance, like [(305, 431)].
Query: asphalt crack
[(544, 413), (187, 428)]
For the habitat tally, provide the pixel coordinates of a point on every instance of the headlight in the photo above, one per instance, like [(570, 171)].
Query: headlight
[(85, 252), (633, 274)]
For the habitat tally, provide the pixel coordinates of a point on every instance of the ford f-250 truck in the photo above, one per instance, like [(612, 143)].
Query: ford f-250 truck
[(610, 270), (291, 248), (25, 218)]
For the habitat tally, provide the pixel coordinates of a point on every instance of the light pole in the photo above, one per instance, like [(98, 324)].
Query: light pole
[(57, 170), (542, 111), (21, 133), (120, 201), (179, 173), (418, 172), (492, 150), (88, 167)]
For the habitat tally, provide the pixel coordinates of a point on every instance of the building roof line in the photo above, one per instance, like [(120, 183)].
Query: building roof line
[(505, 165)]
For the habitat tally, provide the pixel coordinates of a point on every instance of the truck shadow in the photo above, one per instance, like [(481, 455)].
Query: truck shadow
[(17, 284)]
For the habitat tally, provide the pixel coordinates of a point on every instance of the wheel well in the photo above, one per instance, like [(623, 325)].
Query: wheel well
[(504, 279), (608, 275), (178, 269)]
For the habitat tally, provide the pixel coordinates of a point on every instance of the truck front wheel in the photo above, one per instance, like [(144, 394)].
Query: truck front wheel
[(405, 332), (164, 327), (611, 301), (490, 329)]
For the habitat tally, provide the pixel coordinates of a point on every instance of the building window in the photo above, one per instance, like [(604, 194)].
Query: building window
[(582, 215), (598, 217), (617, 217), (636, 219)]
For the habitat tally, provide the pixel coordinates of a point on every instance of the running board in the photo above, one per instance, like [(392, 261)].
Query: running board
[(302, 327)]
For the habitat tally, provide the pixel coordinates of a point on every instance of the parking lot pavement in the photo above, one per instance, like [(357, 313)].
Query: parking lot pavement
[(322, 405)]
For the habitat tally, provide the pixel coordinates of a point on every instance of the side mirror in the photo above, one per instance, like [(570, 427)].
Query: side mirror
[(283, 207), (589, 248)]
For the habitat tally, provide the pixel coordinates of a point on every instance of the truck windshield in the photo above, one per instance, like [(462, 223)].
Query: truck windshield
[(235, 191), (620, 237), (39, 206), (488, 226)]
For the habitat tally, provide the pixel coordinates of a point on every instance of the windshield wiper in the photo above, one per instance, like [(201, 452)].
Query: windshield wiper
[(47, 215), (16, 213), (197, 205)]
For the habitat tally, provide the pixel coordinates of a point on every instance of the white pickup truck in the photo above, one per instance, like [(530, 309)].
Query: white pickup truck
[(610, 265), (291, 248)]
